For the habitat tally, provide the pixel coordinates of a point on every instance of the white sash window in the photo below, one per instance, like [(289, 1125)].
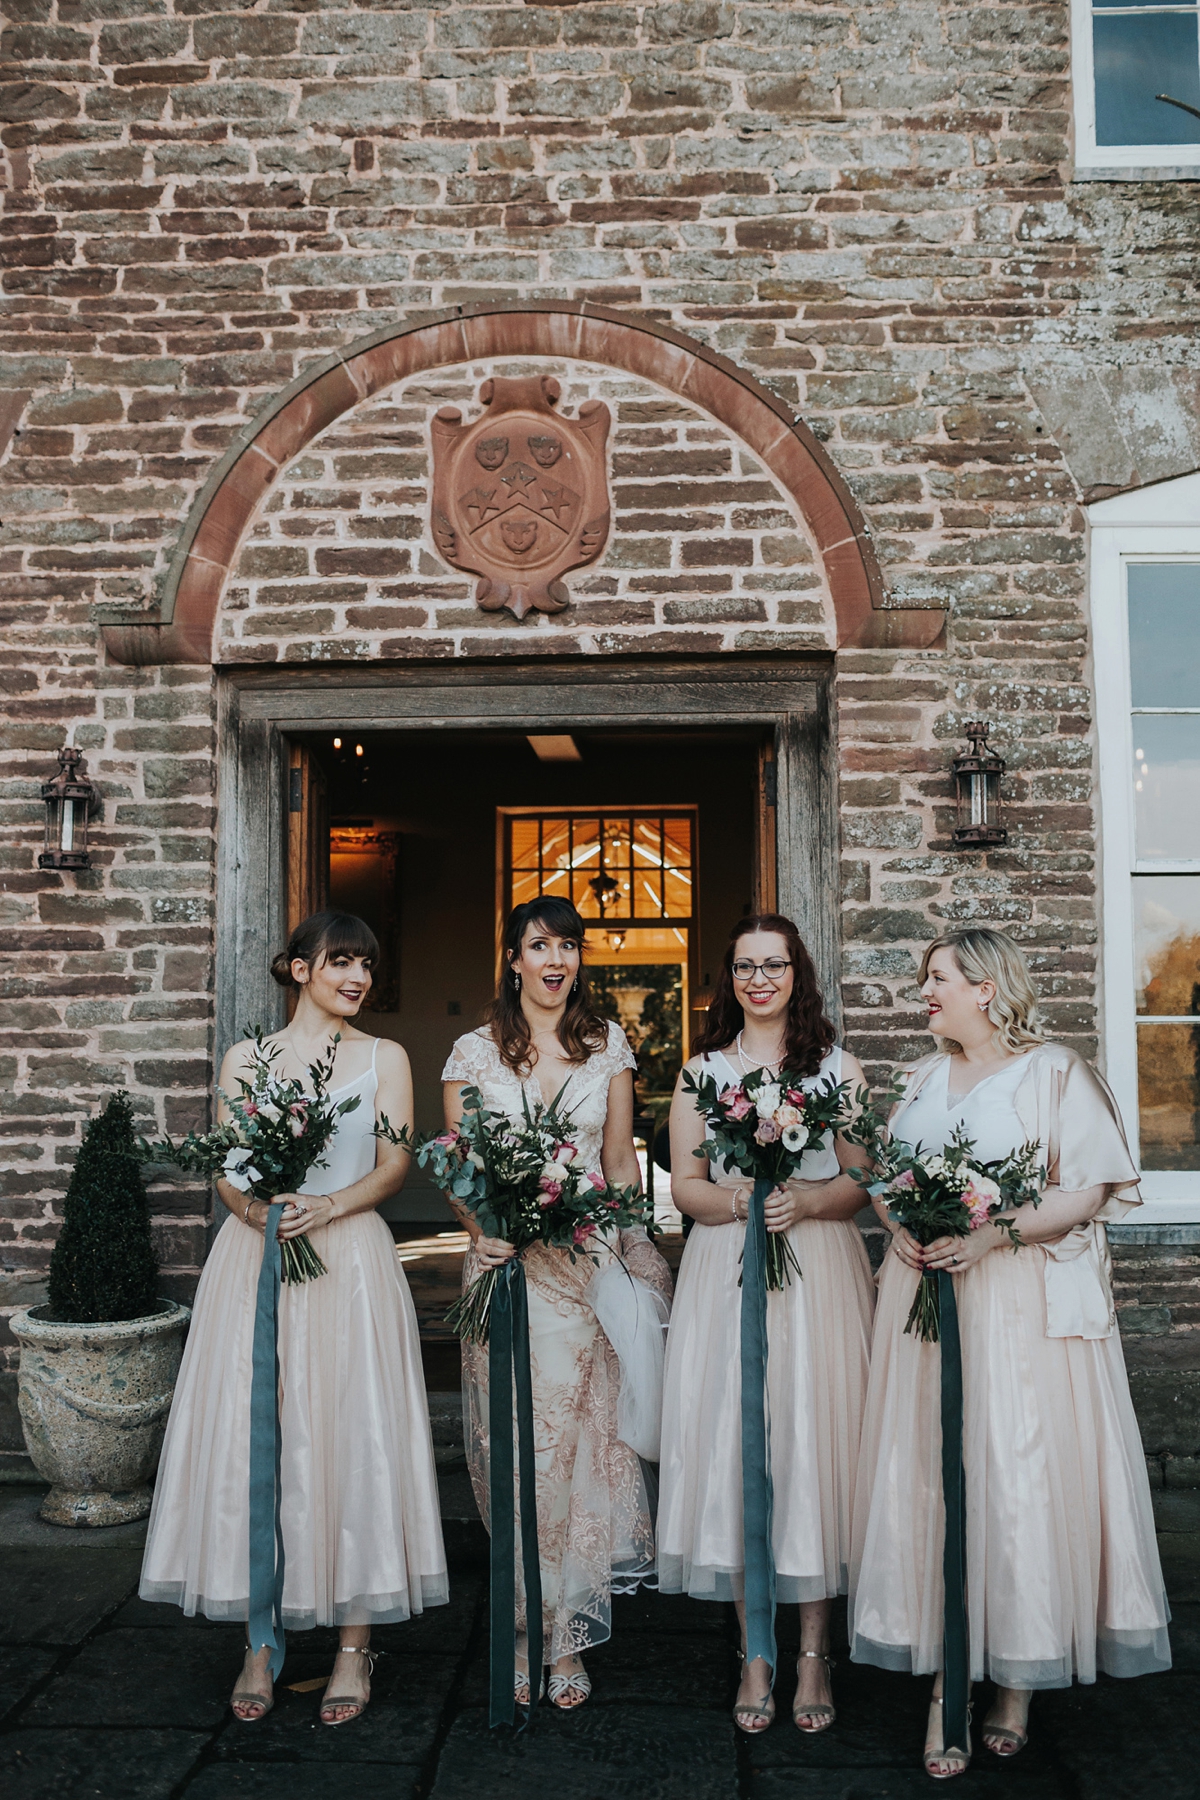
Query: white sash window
[(1146, 623), (1125, 54)]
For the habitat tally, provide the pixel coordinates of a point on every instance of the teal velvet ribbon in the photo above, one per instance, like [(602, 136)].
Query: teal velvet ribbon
[(508, 1358), (956, 1685), (266, 1452), (757, 1493)]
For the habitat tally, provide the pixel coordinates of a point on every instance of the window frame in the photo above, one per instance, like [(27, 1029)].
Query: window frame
[(1155, 162), (1158, 524)]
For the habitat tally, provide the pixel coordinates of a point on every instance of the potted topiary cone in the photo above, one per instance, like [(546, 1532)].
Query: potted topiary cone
[(99, 1360)]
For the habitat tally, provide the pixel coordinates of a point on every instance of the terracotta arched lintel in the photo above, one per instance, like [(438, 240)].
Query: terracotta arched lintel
[(207, 552)]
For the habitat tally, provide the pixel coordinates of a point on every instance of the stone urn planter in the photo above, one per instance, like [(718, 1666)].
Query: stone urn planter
[(94, 1400)]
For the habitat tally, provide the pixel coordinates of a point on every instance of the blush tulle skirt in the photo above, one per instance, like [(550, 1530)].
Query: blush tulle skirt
[(818, 1331), (1063, 1575), (361, 1522)]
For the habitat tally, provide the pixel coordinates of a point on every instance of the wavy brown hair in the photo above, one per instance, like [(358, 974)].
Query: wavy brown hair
[(581, 1030), (809, 1034)]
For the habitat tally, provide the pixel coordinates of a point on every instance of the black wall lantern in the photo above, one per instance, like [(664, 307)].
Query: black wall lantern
[(69, 799), (977, 773)]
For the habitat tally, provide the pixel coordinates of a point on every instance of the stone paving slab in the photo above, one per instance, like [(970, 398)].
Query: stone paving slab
[(59, 1596), (123, 1678), (96, 1765), (303, 1781), (20, 1671), (599, 1753)]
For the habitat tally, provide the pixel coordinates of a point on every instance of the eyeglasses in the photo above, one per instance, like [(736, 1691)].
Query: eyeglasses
[(774, 969)]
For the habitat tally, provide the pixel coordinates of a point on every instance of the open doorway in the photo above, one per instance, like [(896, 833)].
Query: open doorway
[(433, 835)]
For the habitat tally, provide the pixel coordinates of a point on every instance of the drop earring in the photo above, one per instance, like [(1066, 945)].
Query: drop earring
[(516, 980), (575, 985)]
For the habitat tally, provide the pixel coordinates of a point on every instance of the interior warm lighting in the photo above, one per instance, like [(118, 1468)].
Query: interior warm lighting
[(358, 749), (337, 743), (555, 749)]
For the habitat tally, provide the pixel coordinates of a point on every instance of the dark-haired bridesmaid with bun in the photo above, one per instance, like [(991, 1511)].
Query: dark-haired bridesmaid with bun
[(767, 1013), (361, 1522)]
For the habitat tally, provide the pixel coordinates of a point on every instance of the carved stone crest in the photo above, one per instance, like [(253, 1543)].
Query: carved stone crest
[(520, 496)]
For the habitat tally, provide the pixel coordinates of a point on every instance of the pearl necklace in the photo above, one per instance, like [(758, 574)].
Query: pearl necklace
[(766, 1064)]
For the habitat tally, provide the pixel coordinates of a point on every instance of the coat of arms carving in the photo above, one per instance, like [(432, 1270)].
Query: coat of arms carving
[(521, 495)]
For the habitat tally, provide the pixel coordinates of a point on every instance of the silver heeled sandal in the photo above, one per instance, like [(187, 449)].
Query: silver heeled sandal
[(944, 1754), (826, 1714), (745, 1714), (559, 1685), (360, 1706), (244, 1697)]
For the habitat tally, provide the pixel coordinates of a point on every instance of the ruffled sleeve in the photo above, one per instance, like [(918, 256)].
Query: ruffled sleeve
[(1072, 1112), (464, 1063)]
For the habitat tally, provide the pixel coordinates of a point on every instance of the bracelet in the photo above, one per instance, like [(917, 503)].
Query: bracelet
[(246, 1214)]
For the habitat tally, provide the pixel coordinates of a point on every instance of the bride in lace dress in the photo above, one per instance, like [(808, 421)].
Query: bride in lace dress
[(595, 1526)]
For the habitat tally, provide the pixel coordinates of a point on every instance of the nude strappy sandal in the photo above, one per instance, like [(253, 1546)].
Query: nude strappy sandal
[(754, 1718), (826, 1714), (360, 1706), (244, 1697), (944, 1754)]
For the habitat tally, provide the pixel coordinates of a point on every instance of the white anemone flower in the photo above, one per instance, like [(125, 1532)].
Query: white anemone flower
[(238, 1171), (794, 1138)]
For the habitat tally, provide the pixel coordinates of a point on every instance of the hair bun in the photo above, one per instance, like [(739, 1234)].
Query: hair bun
[(281, 970)]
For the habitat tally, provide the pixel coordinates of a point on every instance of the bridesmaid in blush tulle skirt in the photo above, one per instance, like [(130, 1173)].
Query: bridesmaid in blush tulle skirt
[(361, 1522), (766, 1013), (1063, 1575)]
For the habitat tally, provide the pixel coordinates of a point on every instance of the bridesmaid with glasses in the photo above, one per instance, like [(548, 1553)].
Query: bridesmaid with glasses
[(767, 1013)]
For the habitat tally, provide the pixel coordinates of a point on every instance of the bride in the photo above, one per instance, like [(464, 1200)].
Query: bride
[(595, 1525)]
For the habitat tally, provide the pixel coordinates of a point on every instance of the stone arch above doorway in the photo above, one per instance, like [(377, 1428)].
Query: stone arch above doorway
[(208, 549)]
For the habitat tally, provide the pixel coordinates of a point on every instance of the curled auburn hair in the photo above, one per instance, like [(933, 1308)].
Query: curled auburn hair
[(581, 1030), (325, 934), (809, 1034)]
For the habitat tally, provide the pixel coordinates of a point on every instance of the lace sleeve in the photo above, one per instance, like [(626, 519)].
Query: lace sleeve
[(464, 1060), (619, 1054)]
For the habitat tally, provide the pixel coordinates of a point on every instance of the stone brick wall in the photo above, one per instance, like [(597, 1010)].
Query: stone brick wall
[(708, 551), (868, 207)]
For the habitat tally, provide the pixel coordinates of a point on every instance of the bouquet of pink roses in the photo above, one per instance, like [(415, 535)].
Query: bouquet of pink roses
[(764, 1125), (945, 1193), (524, 1183), (276, 1135)]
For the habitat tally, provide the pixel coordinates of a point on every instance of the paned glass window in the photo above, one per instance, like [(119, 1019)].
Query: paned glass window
[(1164, 686), (629, 868), (1141, 49)]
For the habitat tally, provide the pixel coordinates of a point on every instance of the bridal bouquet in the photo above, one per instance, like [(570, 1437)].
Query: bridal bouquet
[(763, 1126), (276, 1135), (946, 1193), (525, 1183)]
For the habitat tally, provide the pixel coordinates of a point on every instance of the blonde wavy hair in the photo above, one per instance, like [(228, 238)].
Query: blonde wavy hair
[(986, 955)]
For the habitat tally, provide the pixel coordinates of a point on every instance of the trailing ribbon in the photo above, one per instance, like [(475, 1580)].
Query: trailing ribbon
[(955, 1660), (508, 1357), (757, 1495), (266, 1453)]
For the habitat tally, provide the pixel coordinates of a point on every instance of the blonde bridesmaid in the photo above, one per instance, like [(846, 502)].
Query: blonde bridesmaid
[(1063, 1576), (361, 1522), (767, 1013)]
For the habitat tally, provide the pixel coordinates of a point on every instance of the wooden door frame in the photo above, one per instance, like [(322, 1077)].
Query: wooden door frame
[(260, 708)]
